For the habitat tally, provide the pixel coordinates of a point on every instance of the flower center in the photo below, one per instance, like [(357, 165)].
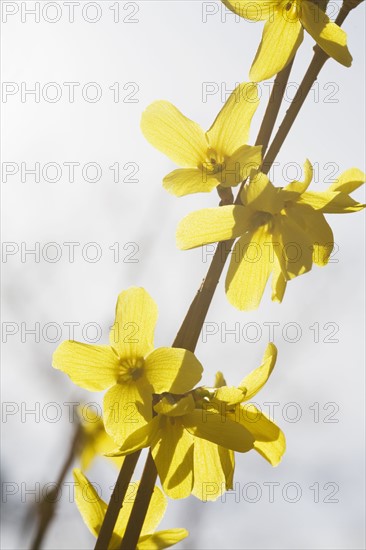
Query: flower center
[(130, 370), (212, 164), (261, 218)]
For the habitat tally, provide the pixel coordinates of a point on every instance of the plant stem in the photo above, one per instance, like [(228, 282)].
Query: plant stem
[(48, 505), (191, 327), (141, 505), (116, 500)]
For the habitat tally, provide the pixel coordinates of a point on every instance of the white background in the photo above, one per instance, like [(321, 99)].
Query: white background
[(169, 52)]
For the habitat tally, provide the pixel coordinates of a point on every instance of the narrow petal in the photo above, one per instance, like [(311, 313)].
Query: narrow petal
[(230, 129), (94, 368), (132, 334), (91, 507), (227, 458), (240, 164), (348, 181), (330, 202), (173, 456), (211, 225), (185, 181), (319, 231), (296, 246), (140, 438), (162, 539), (125, 409), (229, 395), (175, 135), (331, 38), (254, 381), (218, 429), (279, 282), (282, 35), (209, 476), (179, 408), (249, 269), (269, 441), (261, 194), (172, 369), (301, 186)]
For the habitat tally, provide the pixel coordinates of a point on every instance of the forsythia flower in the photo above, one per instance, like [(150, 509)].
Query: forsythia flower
[(92, 509), (219, 156), (281, 231), (129, 366), (284, 32), (192, 435)]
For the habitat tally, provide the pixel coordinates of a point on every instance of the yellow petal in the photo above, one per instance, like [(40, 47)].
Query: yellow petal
[(175, 135), (282, 35), (295, 244), (331, 38), (211, 225), (183, 406), (239, 165), (139, 439), (256, 11), (348, 181), (330, 202), (254, 381), (155, 513), (210, 425), (301, 186), (132, 334), (278, 281), (94, 368), (173, 370), (227, 458), (219, 380), (173, 456), (91, 507), (229, 395), (230, 129), (126, 407), (319, 231), (162, 539), (209, 476), (269, 440), (261, 194), (249, 269), (185, 181)]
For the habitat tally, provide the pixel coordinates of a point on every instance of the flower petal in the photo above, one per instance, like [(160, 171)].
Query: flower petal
[(282, 35), (278, 281), (331, 38), (126, 407), (301, 186), (348, 181), (249, 271), (185, 181), (91, 507), (210, 425), (261, 194), (139, 439), (132, 334), (296, 247), (175, 135), (173, 370), (94, 368), (230, 129), (239, 165), (162, 539), (330, 202), (255, 380), (229, 395), (183, 406), (173, 456), (209, 476), (269, 440), (319, 231), (211, 225)]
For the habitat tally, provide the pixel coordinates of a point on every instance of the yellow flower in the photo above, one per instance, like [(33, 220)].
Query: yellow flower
[(284, 32), (219, 156), (192, 436), (92, 509), (129, 366), (281, 231)]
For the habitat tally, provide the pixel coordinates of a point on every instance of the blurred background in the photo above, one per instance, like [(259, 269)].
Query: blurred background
[(97, 219)]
